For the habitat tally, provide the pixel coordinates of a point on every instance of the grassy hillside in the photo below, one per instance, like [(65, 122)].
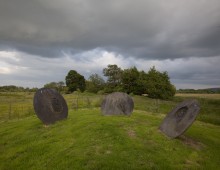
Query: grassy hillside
[(88, 140)]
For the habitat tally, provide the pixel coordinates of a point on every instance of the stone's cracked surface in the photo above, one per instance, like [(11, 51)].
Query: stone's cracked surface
[(180, 118), (50, 106), (117, 103)]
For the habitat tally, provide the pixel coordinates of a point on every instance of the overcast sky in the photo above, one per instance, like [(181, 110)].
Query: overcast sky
[(41, 40)]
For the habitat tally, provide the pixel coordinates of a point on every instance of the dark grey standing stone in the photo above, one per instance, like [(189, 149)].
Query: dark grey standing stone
[(117, 103), (180, 118), (50, 106)]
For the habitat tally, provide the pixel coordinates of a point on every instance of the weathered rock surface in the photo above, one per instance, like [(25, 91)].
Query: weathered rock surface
[(117, 103), (50, 106), (180, 118)]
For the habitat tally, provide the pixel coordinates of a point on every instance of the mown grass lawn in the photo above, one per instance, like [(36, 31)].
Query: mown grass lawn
[(88, 140)]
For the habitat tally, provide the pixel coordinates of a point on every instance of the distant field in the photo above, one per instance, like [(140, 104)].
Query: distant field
[(206, 96)]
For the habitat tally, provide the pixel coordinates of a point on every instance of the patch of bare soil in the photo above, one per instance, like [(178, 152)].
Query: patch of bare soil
[(191, 142), (131, 133)]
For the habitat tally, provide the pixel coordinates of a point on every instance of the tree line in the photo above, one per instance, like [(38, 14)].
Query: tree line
[(154, 83), (13, 88)]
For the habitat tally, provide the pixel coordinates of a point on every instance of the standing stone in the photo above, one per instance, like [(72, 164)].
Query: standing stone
[(180, 118), (117, 103), (50, 106)]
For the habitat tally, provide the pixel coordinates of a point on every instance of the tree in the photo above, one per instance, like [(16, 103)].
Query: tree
[(113, 74), (59, 86), (51, 85), (130, 80), (95, 83), (158, 85), (75, 81), (141, 84)]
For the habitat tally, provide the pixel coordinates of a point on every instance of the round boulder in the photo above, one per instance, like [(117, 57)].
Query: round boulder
[(117, 103), (180, 118), (50, 106)]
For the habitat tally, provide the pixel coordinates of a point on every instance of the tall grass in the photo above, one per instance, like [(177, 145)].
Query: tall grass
[(15, 105)]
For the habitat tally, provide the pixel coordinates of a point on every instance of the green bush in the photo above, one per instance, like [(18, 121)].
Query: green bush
[(158, 85)]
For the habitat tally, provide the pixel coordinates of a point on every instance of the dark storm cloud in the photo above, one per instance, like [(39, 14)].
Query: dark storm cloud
[(208, 39), (143, 28), (42, 50)]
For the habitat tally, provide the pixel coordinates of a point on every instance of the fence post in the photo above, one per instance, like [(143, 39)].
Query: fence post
[(157, 105), (9, 110), (88, 102), (77, 103)]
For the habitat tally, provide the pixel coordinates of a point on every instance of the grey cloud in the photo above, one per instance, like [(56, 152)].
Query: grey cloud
[(196, 72), (42, 50), (142, 28), (208, 42)]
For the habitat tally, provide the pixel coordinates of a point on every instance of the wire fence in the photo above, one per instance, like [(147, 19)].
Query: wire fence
[(85, 102), (20, 105)]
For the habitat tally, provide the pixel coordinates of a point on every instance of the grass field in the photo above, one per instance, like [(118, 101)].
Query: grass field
[(204, 96), (88, 140)]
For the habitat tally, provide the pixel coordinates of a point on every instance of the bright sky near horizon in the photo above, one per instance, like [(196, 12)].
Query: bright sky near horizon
[(41, 40)]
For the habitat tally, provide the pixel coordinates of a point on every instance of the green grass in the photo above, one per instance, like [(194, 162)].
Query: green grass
[(88, 140)]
